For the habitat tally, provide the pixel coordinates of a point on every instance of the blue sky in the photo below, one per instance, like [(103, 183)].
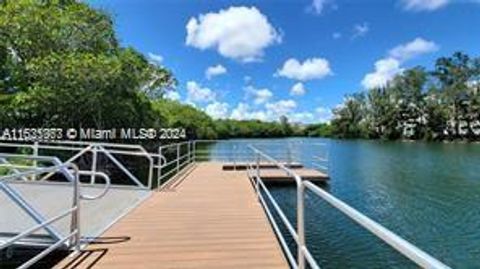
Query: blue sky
[(293, 57)]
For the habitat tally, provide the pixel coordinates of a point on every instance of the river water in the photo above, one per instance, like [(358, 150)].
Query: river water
[(428, 193)]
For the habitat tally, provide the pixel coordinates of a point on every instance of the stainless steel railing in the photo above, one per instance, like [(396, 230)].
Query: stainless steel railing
[(5, 163), (108, 149), (72, 239), (304, 256)]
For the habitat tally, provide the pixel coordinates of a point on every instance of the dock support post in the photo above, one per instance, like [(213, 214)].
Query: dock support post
[(300, 224), (94, 164)]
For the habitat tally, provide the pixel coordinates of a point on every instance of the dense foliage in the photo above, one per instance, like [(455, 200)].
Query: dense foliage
[(61, 67), (440, 104)]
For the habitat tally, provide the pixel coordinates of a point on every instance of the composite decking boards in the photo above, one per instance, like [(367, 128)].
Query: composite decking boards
[(210, 219)]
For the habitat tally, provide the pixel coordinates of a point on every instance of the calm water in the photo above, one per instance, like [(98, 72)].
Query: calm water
[(428, 193)]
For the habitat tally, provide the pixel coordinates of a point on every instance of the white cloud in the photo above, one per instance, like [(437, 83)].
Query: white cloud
[(423, 5), (240, 33), (387, 68), (156, 58), (298, 89), (215, 71), (318, 6), (301, 117), (280, 108), (259, 96), (360, 30), (274, 110), (172, 95), (337, 35), (412, 49), (217, 110), (313, 68), (197, 93), (323, 114), (244, 112)]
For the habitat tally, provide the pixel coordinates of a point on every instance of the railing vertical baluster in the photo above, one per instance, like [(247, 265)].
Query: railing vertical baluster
[(188, 151), (194, 151), (94, 164), (159, 167), (257, 171), (178, 158), (76, 199), (300, 223), (35, 153)]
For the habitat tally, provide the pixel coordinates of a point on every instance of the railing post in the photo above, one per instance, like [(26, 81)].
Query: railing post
[(178, 157), (234, 159), (35, 162), (76, 204), (194, 151), (257, 171), (159, 166), (94, 164), (300, 224), (189, 157)]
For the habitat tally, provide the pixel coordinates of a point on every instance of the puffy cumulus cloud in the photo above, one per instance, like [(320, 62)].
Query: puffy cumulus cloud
[(215, 71), (172, 95), (412, 49), (259, 96), (360, 30), (280, 108), (243, 111), (272, 111), (240, 33), (218, 110), (197, 93), (155, 58), (387, 68), (423, 5), (314, 68), (298, 89)]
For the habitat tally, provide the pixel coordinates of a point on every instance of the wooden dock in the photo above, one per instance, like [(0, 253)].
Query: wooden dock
[(210, 218), (262, 165), (278, 176)]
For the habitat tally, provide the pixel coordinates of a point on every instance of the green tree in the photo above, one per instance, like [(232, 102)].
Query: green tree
[(348, 119), (61, 66)]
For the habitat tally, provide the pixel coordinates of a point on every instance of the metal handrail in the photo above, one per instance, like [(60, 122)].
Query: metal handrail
[(74, 211), (105, 190), (304, 256), (94, 147)]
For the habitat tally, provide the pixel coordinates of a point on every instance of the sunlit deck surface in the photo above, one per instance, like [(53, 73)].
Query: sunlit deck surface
[(209, 218)]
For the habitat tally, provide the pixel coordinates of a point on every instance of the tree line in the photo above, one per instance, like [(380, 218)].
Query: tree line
[(61, 66), (438, 104)]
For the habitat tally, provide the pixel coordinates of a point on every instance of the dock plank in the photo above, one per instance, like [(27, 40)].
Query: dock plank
[(212, 219)]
